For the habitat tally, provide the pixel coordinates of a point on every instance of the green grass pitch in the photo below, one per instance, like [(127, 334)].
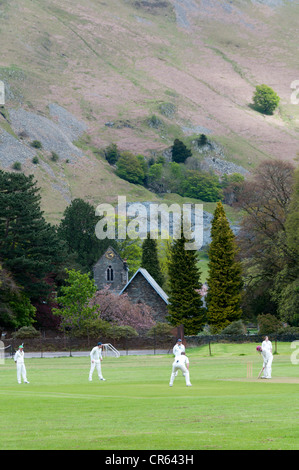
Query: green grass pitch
[(136, 409)]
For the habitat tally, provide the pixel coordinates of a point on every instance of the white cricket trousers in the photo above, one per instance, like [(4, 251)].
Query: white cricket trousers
[(95, 364), (21, 372), (185, 371)]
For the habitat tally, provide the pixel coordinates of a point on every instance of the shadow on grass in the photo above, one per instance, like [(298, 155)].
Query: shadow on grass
[(259, 109)]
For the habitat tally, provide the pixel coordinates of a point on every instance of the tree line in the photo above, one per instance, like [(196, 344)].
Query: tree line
[(253, 274), (182, 175)]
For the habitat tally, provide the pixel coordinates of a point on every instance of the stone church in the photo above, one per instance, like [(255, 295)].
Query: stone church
[(111, 270)]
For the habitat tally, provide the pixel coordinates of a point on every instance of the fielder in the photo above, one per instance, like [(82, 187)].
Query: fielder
[(96, 359), (21, 369), (178, 348), (180, 363)]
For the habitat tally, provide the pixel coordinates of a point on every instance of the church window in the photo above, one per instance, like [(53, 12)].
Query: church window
[(109, 274)]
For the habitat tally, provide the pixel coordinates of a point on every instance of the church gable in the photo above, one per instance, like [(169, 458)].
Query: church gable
[(142, 288), (110, 270)]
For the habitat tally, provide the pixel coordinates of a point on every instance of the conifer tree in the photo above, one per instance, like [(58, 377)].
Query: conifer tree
[(185, 303), (77, 230), (180, 152), (150, 260), (224, 279), (29, 246)]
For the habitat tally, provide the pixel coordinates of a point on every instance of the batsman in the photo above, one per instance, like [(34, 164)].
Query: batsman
[(266, 352)]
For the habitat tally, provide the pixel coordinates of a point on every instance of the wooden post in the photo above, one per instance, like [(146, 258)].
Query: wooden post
[(181, 333)]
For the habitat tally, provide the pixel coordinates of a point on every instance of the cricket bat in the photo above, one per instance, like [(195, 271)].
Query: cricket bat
[(260, 372)]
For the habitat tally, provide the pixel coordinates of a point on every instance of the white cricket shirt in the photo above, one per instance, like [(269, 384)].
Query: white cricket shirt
[(19, 357), (267, 346), (178, 349), (181, 360), (96, 354)]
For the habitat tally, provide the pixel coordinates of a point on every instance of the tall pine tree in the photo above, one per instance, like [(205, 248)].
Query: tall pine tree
[(180, 152), (186, 307), (77, 229), (225, 277), (150, 260), (29, 246)]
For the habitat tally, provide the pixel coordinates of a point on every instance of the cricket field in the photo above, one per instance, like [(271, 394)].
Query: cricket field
[(135, 409)]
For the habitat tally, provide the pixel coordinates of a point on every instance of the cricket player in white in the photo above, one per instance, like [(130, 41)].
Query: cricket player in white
[(21, 369), (267, 345), (267, 357), (96, 358), (178, 348), (180, 363)]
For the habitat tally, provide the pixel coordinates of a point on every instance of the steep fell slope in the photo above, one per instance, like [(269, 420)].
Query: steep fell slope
[(110, 66)]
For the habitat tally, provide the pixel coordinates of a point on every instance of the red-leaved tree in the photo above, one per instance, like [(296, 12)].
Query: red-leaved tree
[(120, 310)]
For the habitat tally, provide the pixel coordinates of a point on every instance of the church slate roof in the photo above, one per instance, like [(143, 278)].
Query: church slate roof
[(151, 281)]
